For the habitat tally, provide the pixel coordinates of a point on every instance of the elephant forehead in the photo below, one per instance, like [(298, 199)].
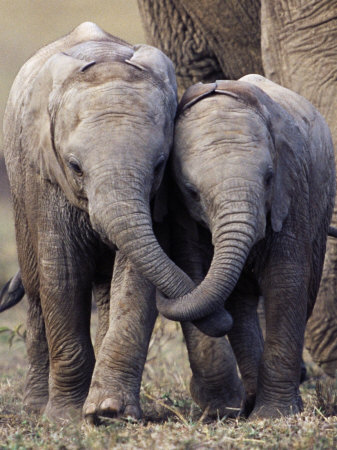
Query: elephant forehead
[(113, 100), (219, 123)]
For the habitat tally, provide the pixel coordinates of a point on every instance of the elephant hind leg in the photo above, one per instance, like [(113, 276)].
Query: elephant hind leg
[(36, 384)]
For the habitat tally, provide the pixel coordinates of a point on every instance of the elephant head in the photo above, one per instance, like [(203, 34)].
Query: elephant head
[(237, 157), (99, 124)]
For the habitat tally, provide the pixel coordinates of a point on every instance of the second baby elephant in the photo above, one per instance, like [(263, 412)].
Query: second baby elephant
[(254, 163), (88, 129)]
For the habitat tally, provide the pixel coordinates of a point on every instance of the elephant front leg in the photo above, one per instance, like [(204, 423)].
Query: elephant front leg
[(101, 294), (246, 337), (215, 384), (115, 384), (284, 286), (65, 291)]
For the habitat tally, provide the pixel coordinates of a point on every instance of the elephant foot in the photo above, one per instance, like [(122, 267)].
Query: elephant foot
[(116, 403), (248, 404), (265, 411), (35, 404), (63, 413), (218, 402)]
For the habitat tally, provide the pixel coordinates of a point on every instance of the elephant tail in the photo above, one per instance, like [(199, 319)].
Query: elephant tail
[(332, 232), (12, 292)]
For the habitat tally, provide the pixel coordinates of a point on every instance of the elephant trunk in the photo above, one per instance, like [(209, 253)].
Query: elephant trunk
[(233, 235), (126, 222)]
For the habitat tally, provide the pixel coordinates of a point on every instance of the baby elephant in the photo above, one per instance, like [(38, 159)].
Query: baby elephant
[(88, 129), (254, 163)]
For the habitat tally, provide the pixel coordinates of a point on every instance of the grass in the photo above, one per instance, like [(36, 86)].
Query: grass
[(171, 419)]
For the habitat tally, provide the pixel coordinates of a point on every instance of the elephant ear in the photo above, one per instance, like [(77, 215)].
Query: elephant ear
[(290, 166), (37, 118), (289, 143), (195, 93), (153, 60)]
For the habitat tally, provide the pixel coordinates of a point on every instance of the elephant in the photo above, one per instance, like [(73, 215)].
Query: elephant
[(254, 168), (292, 43), (87, 132)]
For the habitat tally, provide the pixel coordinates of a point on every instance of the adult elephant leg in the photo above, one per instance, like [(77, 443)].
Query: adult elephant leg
[(205, 39), (284, 284), (118, 372), (215, 385), (246, 336), (321, 332)]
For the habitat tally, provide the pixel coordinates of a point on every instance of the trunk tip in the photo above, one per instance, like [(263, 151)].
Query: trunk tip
[(217, 324)]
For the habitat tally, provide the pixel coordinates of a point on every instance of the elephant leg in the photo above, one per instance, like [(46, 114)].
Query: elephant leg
[(321, 332), (215, 383), (246, 338), (101, 294), (66, 308), (115, 385), (284, 285), (65, 275), (36, 384)]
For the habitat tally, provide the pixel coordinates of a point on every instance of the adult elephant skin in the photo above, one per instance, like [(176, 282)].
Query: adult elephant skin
[(205, 39), (88, 128), (293, 44), (254, 163)]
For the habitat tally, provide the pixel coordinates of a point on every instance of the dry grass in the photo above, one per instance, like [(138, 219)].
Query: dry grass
[(171, 419)]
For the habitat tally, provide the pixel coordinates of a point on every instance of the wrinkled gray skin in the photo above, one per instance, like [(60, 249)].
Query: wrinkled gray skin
[(255, 166), (88, 128), (290, 41)]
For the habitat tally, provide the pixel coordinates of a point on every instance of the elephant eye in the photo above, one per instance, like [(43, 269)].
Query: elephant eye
[(268, 177), (75, 166)]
